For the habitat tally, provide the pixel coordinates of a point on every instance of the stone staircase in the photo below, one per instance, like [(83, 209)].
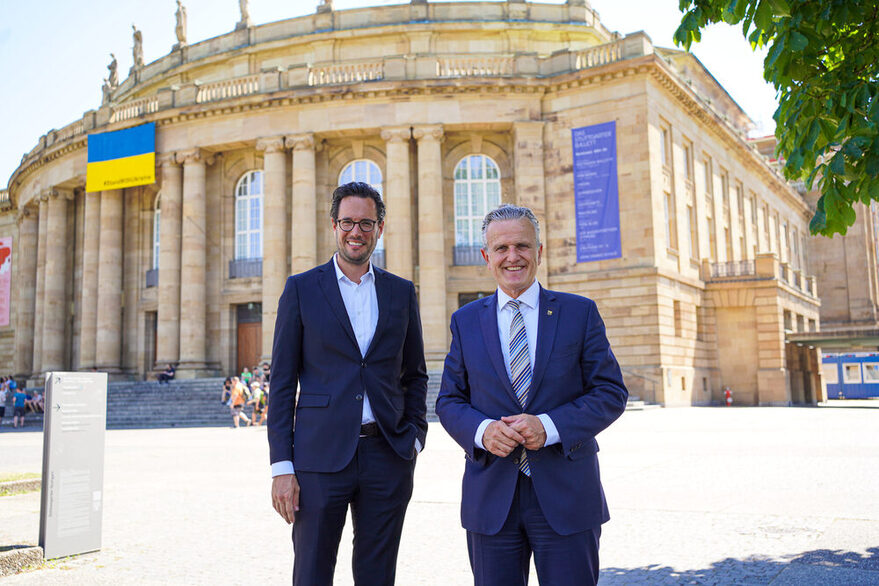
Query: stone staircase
[(636, 404), (181, 403)]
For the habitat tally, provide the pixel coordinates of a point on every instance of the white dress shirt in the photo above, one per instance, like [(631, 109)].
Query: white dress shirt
[(529, 307)]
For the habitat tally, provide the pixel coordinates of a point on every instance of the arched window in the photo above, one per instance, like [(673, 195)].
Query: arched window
[(248, 216), (477, 190), (368, 172), (157, 222)]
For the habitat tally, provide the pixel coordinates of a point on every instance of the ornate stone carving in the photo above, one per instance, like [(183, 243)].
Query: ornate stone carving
[(180, 28), (432, 132), (300, 142), (325, 6), (137, 48), (270, 145), (193, 156), (397, 134), (167, 159)]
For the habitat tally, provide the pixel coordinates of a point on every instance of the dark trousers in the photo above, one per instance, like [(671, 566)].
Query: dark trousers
[(503, 559), (377, 484)]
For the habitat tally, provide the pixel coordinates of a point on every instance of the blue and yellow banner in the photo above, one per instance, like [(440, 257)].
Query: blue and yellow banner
[(123, 158)]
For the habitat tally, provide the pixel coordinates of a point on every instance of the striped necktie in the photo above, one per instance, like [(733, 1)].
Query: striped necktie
[(520, 367)]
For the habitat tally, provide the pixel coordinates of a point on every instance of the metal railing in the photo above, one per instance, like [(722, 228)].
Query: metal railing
[(152, 278), (243, 268), (467, 255), (736, 268)]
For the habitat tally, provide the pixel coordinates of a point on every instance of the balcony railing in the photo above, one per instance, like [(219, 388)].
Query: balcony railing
[(230, 88), (346, 73), (467, 255), (152, 278), (738, 268), (135, 108), (243, 268)]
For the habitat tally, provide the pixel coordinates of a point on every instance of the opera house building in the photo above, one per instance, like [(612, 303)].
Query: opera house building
[(651, 198)]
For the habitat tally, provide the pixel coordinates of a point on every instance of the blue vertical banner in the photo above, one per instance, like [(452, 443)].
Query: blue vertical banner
[(596, 194)]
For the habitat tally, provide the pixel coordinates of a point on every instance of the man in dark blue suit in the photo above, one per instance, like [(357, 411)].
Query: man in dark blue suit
[(528, 383), (349, 334)]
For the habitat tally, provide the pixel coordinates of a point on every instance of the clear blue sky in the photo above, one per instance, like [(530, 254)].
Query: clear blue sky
[(54, 53)]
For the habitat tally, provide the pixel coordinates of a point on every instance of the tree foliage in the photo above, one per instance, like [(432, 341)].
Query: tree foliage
[(823, 59)]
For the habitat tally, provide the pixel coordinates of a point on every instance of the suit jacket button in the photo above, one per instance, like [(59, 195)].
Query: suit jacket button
[(363, 364), (359, 397)]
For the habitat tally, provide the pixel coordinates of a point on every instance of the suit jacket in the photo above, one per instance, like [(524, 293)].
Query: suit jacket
[(575, 380), (315, 347)]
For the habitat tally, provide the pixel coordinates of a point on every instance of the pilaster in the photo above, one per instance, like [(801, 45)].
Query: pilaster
[(398, 199), (274, 246), (26, 282), (89, 290), (529, 177), (303, 253), (431, 243), (39, 297)]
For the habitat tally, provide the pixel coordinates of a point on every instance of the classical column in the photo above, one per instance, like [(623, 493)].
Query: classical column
[(398, 198), (54, 290), (108, 342), (193, 266), (25, 284), (132, 277), (168, 326), (89, 305), (431, 242), (303, 244), (274, 244), (529, 177), (40, 288)]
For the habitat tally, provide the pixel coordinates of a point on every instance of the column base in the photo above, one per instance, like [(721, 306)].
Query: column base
[(190, 370)]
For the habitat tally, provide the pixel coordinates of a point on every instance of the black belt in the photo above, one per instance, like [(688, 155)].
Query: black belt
[(369, 430)]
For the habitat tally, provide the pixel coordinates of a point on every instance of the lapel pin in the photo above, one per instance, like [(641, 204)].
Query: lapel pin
[(548, 312)]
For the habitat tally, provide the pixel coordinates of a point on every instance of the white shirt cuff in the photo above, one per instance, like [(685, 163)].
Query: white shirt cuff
[(552, 434), (480, 431), (418, 446), (282, 467)]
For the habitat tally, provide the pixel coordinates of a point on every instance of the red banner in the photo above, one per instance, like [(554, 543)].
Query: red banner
[(5, 279)]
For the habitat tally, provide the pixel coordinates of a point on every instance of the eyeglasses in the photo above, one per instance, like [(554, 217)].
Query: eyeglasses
[(365, 225)]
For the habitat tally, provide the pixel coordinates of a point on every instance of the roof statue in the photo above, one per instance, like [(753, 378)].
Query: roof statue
[(137, 49), (180, 28), (325, 6), (245, 21), (113, 78)]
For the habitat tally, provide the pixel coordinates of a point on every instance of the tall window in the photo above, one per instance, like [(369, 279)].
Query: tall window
[(665, 144), (366, 171), (692, 230), (157, 216), (248, 216), (477, 191), (688, 160), (671, 235)]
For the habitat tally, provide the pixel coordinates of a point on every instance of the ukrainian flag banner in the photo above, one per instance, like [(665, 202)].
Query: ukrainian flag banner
[(123, 158)]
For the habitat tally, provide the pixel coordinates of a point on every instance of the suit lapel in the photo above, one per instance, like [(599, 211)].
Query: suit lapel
[(488, 321), (330, 287), (547, 324), (383, 294)]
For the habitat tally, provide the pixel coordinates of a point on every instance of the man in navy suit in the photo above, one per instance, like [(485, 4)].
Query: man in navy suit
[(528, 383), (349, 334)]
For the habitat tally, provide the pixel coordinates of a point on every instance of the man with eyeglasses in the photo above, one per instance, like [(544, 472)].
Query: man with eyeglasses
[(349, 334)]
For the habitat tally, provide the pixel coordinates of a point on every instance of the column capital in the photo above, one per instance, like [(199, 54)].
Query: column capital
[(428, 132), (26, 211), (195, 156), (272, 144), (397, 134), (46, 194), (300, 142), (62, 192), (167, 159)]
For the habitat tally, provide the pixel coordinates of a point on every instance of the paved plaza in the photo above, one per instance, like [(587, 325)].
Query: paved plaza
[(697, 496)]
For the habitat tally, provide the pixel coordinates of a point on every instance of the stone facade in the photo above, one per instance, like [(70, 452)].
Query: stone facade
[(712, 265)]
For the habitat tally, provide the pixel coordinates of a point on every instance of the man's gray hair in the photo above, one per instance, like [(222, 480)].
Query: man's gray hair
[(507, 211)]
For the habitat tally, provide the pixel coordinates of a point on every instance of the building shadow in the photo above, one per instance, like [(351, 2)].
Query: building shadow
[(751, 570)]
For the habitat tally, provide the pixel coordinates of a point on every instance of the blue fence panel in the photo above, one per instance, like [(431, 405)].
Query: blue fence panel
[(857, 375)]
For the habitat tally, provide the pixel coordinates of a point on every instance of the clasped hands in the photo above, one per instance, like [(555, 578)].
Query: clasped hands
[(503, 436)]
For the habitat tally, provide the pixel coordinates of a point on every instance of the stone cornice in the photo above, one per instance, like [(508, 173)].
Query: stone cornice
[(195, 156), (300, 142), (273, 144), (396, 134)]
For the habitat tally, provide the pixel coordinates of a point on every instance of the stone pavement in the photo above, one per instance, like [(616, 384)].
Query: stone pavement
[(697, 495)]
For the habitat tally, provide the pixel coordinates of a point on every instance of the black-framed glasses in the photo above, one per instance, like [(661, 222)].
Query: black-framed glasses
[(365, 225)]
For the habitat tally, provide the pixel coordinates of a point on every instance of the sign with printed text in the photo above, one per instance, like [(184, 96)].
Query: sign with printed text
[(5, 279), (122, 158), (596, 195), (74, 425)]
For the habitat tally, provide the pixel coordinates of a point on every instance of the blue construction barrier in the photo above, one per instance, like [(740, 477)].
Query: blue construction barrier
[(851, 376)]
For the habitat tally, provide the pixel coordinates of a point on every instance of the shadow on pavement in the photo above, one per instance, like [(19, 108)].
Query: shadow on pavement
[(758, 570)]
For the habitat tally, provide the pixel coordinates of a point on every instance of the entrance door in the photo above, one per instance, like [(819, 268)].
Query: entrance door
[(249, 335)]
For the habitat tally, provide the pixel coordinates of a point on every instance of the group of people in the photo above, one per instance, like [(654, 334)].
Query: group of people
[(528, 382), (22, 401), (251, 389)]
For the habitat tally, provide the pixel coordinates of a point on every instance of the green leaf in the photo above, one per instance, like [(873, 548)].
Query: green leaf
[(871, 165), (763, 16), (837, 164), (780, 7), (819, 221), (798, 41)]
